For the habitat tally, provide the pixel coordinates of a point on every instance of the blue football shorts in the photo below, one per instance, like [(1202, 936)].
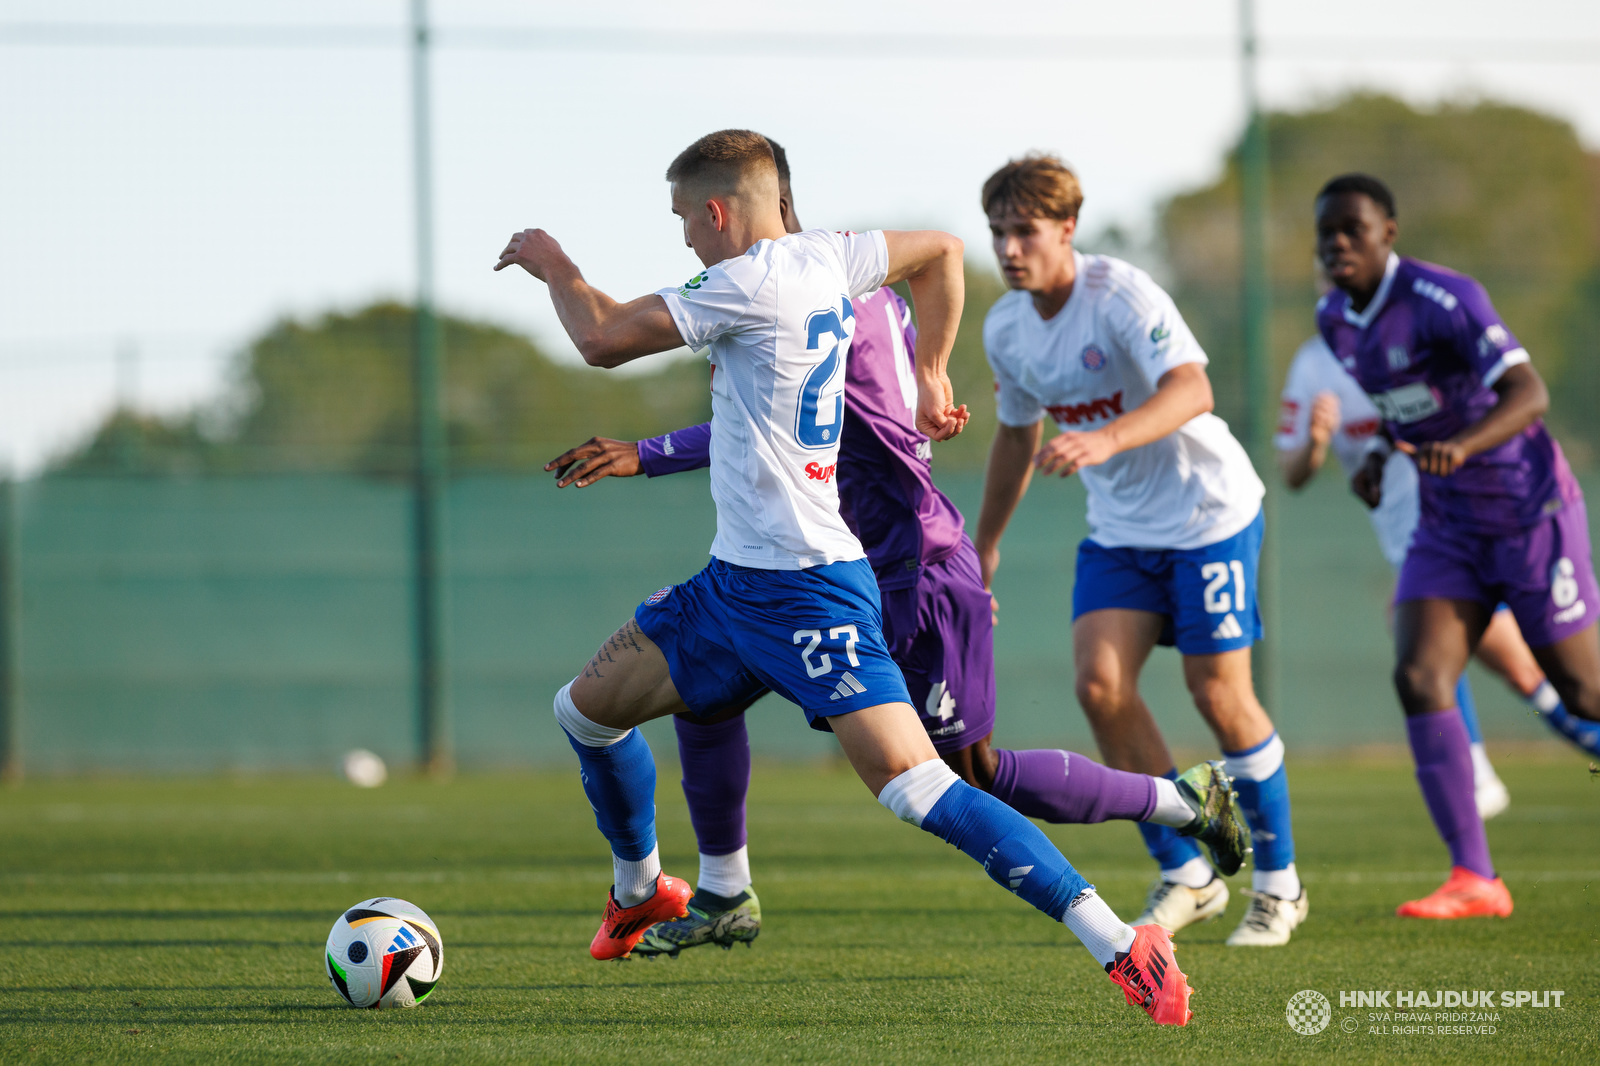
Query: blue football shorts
[(1207, 595), (814, 636)]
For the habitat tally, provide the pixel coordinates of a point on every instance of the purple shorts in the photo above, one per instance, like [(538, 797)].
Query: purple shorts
[(941, 633), (1544, 574)]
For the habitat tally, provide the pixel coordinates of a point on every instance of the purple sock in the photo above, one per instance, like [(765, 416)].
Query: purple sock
[(1067, 788), (716, 779), (1444, 770)]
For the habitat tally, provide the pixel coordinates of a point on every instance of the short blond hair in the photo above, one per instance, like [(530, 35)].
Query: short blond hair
[(724, 160), (1035, 186)]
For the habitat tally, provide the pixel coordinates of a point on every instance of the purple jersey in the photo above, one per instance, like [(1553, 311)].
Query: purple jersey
[(1428, 350), (886, 490)]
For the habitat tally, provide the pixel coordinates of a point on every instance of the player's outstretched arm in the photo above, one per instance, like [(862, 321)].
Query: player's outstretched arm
[(607, 333), (599, 457), (1182, 393), (1523, 398), (931, 262)]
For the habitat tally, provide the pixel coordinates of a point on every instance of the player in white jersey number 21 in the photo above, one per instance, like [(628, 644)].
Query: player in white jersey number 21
[(1174, 523), (788, 600)]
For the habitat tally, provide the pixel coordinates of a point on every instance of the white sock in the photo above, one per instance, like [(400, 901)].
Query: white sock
[(1284, 883), (725, 875), (1094, 923), (1170, 807), (1482, 768), (1196, 873), (634, 882), (1545, 698), (580, 728)]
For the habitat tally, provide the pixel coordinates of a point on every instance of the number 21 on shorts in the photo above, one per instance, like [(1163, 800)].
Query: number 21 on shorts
[(824, 663), (1215, 575)]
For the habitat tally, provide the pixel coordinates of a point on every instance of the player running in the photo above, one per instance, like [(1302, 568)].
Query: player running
[(1325, 410), (1174, 517), (937, 625), (788, 601), (1502, 518)]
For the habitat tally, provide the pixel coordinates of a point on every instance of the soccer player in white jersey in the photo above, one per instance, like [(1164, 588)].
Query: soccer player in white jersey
[(1174, 518), (1323, 409), (789, 601)]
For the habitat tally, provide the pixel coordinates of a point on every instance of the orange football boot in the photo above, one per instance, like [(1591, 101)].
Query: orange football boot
[(623, 927), (1149, 977), (1464, 895)]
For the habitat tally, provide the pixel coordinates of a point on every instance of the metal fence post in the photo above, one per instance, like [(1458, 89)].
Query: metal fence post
[(10, 636), (433, 701), (1256, 306)]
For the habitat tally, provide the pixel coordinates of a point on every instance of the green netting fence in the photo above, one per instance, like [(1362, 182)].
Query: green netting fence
[(265, 623)]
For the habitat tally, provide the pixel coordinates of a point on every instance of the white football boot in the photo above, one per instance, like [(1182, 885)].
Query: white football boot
[(1173, 906), (1269, 921)]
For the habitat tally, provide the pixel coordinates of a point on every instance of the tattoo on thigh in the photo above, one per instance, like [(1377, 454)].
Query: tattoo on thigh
[(624, 641)]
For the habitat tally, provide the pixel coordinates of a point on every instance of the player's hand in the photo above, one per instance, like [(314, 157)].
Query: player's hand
[(594, 459), (1440, 458), (1324, 418), (938, 418), (1368, 480), (1069, 451), (533, 250)]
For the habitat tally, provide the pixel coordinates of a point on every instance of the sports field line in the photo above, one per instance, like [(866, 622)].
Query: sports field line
[(537, 876)]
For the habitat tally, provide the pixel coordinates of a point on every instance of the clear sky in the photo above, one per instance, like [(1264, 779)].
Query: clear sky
[(168, 200)]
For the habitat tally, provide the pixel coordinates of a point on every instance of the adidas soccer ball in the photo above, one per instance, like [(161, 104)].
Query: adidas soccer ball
[(384, 952)]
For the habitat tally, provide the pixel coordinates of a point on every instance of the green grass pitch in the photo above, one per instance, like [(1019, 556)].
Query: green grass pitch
[(183, 921)]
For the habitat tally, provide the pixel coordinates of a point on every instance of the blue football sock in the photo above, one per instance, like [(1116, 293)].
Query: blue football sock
[(1263, 787), (620, 782), (1166, 847), (1582, 732), (1014, 852), (1469, 710)]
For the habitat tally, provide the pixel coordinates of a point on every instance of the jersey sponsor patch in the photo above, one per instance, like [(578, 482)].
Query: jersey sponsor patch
[(1408, 403), (659, 595), (817, 472), (693, 283), (1070, 414)]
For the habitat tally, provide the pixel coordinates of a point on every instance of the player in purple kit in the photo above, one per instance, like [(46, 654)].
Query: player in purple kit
[(1502, 516), (937, 622)]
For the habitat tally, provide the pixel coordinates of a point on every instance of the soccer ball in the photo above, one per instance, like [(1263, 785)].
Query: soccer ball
[(384, 952)]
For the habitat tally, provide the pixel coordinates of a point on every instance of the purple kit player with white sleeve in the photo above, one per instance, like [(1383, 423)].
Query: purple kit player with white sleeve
[(1502, 517), (938, 625)]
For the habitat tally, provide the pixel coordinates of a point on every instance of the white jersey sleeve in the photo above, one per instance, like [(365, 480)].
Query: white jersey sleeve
[(1148, 327), (865, 258), (715, 302)]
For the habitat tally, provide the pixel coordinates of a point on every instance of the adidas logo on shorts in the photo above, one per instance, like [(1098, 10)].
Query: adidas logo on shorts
[(1228, 629), (847, 687)]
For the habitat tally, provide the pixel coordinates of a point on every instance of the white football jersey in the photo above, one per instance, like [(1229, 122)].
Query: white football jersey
[(1316, 370), (778, 323), (1098, 358)]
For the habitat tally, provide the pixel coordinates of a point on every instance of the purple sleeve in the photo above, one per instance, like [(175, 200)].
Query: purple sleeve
[(675, 452), (1480, 334)]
